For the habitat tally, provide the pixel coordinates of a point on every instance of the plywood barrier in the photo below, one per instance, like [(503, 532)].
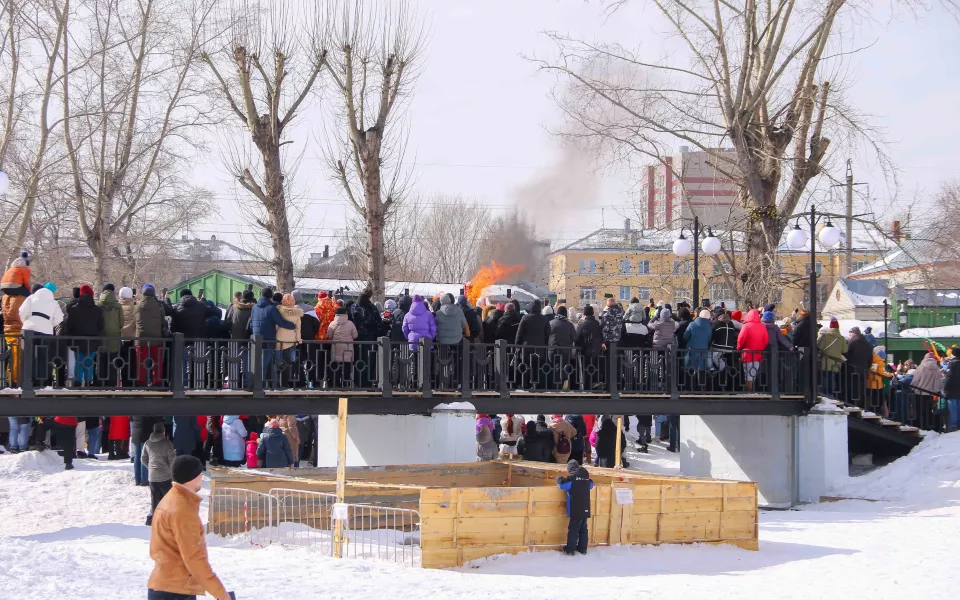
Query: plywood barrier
[(470, 511)]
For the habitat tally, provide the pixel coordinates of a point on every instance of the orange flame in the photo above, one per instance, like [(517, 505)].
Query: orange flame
[(486, 276)]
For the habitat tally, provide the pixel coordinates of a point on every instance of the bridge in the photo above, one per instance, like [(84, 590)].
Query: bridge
[(92, 376)]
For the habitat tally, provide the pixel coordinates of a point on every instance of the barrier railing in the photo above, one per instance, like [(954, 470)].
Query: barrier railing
[(381, 533), (243, 514), (180, 365), (304, 518)]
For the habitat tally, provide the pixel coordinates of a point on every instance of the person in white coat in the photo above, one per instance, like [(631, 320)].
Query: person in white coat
[(41, 313), (234, 441), (511, 430)]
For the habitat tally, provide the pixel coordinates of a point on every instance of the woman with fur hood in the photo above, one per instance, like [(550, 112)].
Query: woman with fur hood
[(288, 339)]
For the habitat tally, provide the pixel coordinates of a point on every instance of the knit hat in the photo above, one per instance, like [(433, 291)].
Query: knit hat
[(390, 305), (562, 311), (125, 293), (834, 323), (86, 290), (148, 290), (767, 317), (572, 466), (248, 296), (322, 295), (705, 314), (51, 286), (185, 292), (769, 307), (159, 428), (186, 468), (254, 436), (288, 300), (868, 330), (855, 330), (446, 299), (273, 423), (665, 314), (737, 315), (881, 351), (110, 287)]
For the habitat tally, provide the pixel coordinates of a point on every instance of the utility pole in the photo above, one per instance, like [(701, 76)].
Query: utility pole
[(849, 216)]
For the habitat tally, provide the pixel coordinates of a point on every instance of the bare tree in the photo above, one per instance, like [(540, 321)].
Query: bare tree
[(750, 76), (128, 119), (373, 65), (266, 70), (12, 42)]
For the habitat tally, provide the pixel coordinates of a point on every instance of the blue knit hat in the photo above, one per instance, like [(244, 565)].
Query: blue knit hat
[(148, 286), (51, 286), (768, 316)]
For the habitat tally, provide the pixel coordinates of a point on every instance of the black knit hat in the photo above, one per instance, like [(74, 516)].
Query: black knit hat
[(186, 468), (110, 287)]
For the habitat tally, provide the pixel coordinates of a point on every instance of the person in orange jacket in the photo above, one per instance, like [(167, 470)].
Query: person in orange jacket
[(15, 286), (325, 310)]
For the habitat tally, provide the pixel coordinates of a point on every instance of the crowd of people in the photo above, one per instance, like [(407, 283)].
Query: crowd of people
[(587, 439)]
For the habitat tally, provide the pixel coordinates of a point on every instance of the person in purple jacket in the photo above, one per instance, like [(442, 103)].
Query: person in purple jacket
[(419, 323)]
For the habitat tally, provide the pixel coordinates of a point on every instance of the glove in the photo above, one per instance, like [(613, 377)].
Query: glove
[(559, 479)]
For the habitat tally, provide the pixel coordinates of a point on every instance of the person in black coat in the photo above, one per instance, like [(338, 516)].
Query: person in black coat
[(577, 443), (577, 485), (590, 344), (508, 324), (490, 325), (83, 319), (473, 319), (606, 451), (802, 332), (857, 365), (560, 347), (190, 316), (537, 443)]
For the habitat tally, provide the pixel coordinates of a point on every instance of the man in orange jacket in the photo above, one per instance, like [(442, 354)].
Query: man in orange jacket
[(15, 286), (177, 544), (325, 310)]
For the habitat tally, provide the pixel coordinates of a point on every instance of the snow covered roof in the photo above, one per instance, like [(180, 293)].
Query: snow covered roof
[(926, 248), (866, 292), (950, 331), (877, 327)]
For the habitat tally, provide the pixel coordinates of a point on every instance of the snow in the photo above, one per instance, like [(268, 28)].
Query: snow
[(79, 534), (949, 331), (847, 324)]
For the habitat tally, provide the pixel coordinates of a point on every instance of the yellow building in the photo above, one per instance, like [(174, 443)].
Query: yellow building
[(630, 263)]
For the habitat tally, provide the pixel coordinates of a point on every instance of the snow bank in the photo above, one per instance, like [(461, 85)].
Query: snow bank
[(927, 477)]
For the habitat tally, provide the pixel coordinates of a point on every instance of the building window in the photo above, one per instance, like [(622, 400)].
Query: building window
[(719, 269), (588, 294), (806, 269), (643, 294), (821, 294), (625, 266), (720, 292), (681, 295), (593, 265), (643, 267), (681, 267), (583, 265), (625, 292), (859, 264)]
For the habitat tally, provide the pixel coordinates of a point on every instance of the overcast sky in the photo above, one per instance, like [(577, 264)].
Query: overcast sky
[(479, 116)]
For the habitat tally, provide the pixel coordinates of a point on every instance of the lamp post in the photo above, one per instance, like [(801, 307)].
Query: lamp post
[(886, 307), (682, 247), (796, 239)]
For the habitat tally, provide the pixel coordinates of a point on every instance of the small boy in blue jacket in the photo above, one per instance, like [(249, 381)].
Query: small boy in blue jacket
[(577, 485)]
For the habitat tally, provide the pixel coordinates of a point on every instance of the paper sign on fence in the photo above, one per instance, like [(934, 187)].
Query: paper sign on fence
[(624, 495), (340, 512)]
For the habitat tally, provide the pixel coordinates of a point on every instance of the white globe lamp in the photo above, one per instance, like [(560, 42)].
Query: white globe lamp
[(711, 245), (4, 183), (797, 238), (829, 235), (682, 246)]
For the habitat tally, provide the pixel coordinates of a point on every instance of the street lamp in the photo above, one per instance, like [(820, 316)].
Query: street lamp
[(886, 342), (797, 239), (711, 247)]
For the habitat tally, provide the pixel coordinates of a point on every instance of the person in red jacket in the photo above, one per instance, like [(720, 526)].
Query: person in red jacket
[(65, 429), (753, 339), (119, 437)]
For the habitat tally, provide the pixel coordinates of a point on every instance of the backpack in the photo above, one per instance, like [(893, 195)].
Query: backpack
[(563, 444)]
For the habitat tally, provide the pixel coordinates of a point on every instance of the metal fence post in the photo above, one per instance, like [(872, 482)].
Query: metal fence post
[(256, 365), (465, 389), (500, 362), (612, 372), (774, 371), (426, 364), (673, 355), (176, 369), (384, 364), (27, 355)]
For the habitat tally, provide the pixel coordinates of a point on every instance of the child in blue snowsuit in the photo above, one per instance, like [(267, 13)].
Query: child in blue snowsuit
[(577, 485)]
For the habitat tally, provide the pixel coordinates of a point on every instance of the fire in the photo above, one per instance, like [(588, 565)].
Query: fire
[(486, 276)]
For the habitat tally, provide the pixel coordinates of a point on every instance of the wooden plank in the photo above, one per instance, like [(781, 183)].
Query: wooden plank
[(693, 490), (689, 527), (741, 503), (493, 509), (495, 524), (619, 444), (626, 523), (737, 524), (438, 510), (437, 525), (644, 528), (616, 519), (490, 537), (545, 508), (493, 494), (438, 558), (692, 505), (646, 492), (601, 499)]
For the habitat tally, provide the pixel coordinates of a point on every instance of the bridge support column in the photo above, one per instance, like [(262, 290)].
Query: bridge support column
[(442, 436), (793, 459)]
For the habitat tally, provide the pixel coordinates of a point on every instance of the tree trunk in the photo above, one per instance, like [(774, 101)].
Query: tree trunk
[(99, 266), (277, 223), (376, 213)]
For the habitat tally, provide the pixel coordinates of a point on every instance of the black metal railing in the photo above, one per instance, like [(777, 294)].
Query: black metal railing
[(182, 365)]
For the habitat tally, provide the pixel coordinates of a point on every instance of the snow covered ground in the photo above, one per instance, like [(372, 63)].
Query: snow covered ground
[(79, 534)]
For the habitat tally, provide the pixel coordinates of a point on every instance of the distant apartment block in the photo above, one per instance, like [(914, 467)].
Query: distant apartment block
[(693, 183)]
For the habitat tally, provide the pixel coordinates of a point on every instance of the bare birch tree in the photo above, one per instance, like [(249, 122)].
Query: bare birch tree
[(374, 53), (129, 119), (268, 67), (753, 76)]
